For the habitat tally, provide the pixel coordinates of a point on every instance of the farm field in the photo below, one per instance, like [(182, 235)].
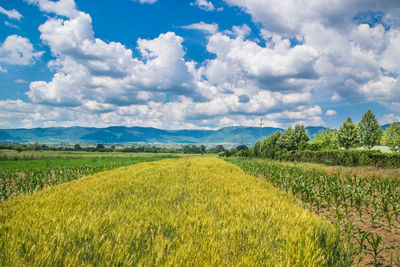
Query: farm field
[(14, 155), (363, 202), (27, 173), (368, 172), (187, 211)]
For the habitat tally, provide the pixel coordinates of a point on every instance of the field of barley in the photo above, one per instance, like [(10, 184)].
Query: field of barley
[(186, 211)]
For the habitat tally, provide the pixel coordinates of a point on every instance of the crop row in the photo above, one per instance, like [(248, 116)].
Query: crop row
[(198, 211), (367, 210), (22, 180)]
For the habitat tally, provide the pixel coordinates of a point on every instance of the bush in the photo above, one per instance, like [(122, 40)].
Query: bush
[(346, 158)]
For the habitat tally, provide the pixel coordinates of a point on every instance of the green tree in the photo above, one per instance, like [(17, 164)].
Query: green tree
[(301, 137), (370, 130), (219, 149), (256, 148), (270, 147), (202, 149), (77, 147), (327, 139), (242, 148), (287, 141), (348, 135), (19, 148), (36, 146), (391, 137)]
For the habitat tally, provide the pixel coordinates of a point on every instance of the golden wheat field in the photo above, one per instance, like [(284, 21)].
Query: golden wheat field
[(187, 211)]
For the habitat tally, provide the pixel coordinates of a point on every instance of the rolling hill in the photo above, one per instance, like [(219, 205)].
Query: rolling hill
[(121, 134)]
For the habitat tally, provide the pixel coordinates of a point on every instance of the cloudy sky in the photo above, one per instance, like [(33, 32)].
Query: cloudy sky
[(197, 63)]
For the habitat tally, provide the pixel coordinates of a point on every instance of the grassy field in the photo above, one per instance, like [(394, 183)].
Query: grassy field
[(14, 155), (22, 174), (368, 172), (366, 208), (188, 211)]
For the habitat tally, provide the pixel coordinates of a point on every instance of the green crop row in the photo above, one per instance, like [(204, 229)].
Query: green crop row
[(376, 202), (22, 177)]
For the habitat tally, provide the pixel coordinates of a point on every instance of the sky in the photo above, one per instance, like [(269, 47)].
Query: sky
[(198, 64)]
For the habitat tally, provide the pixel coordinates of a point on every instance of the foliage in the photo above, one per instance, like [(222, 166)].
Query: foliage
[(370, 131), (242, 148), (348, 135), (346, 158), (191, 149), (287, 141), (185, 212), (270, 147), (391, 137), (257, 148), (301, 137), (324, 140)]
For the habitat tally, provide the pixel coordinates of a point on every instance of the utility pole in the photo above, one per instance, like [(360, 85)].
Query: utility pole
[(261, 125)]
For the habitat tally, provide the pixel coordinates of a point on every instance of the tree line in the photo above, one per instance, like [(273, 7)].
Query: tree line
[(186, 149), (367, 134)]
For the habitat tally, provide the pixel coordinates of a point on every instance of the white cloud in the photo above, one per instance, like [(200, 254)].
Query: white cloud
[(20, 81), (309, 117), (389, 118), (2, 70), (353, 60), (11, 14), (87, 67), (10, 25), (202, 26), (97, 83), (146, 1), (205, 5), (65, 8), (331, 112), (17, 50), (280, 68), (287, 17)]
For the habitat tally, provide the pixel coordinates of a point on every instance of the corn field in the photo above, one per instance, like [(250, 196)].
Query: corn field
[(367, 210)]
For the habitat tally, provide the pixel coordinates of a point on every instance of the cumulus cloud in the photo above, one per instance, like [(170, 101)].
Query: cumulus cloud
[(331, 112), (356, 43), (287, 17), (202, 26), (11, 14), (87, 68), (98, 83), (65, 8), (17, 50), (205, 5), (278, 68)]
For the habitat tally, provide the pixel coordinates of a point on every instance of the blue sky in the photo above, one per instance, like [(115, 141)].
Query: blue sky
[(197, 63)]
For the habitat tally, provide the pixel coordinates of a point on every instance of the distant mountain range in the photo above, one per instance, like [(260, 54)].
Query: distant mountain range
[(120, 134)]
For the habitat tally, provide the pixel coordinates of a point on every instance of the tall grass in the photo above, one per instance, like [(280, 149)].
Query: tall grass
[(198, 211)]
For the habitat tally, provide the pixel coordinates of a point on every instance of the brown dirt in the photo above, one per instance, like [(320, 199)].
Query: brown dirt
[(390, 237), (390, 244)]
